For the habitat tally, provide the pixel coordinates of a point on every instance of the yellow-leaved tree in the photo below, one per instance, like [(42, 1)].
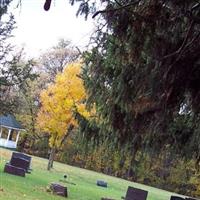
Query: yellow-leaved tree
[(58, 102)]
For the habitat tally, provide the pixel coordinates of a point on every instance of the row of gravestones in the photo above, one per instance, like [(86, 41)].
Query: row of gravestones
[(138, 194), (131, 194), (19, 164)]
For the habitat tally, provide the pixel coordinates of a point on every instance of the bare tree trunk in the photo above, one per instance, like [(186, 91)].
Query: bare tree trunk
[(51, 158), (53, 149)]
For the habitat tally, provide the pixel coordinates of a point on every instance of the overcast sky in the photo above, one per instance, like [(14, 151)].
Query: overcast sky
[(38, 29)]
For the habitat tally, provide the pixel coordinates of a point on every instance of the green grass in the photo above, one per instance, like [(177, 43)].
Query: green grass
[(33, 186)]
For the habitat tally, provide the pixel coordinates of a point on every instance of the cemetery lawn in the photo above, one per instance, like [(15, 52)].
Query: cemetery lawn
[(33, 186)]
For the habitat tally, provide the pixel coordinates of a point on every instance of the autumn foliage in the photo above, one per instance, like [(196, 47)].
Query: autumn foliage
[(58, 103)]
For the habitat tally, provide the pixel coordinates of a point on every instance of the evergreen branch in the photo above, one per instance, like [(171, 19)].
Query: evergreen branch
[(67, 134), (117, 2), (190, 15), (195, 6), (183, 44), (182, 48), (116, 9)]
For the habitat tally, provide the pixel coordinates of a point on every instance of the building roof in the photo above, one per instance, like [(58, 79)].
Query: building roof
[(10, 122)]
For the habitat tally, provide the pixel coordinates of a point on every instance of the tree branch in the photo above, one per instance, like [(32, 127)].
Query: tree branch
[(183, 44), (116, 9)]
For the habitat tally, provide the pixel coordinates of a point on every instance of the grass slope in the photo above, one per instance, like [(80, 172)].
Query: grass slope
[(33, 186)]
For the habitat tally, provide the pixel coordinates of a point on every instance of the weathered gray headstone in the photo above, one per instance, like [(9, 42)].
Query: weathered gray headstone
[(136, 194)]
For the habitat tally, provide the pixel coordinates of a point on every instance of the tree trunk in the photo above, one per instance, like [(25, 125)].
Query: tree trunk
[(51, 158), (23, 142), (131, 173)]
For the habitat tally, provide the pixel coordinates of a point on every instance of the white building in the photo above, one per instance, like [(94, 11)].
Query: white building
[(9, 131)]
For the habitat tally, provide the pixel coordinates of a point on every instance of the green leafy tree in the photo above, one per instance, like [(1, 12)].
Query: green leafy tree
[(13, 71)]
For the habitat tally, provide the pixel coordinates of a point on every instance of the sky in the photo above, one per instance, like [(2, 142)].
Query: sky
[(37, 29)]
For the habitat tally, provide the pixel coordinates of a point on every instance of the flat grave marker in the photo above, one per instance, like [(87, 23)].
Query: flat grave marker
[(102, 183)]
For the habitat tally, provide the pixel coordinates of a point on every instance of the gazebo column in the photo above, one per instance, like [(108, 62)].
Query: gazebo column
[(1, 130), (17, 138), (9, 132)]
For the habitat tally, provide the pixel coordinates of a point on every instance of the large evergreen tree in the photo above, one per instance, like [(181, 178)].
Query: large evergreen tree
[(144, 72)]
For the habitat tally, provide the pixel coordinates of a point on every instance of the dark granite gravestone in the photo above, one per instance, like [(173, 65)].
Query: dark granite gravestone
[(59, 189), (20, 162), (102, 183), (176, 198), (136, 194), (21, 155), (14, 170)]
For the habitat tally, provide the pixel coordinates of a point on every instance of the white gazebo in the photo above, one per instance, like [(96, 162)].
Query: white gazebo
[(9, 131)]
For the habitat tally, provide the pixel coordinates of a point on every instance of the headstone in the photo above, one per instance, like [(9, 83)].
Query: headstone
[(136, 194), (14, 170), (21, 155), (102, 183), (176, 198), (59, 189), (20, 162)]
